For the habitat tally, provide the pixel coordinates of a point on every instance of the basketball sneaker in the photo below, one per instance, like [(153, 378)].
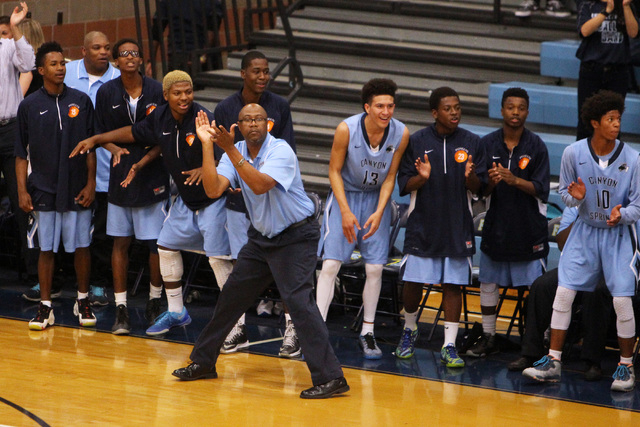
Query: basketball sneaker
[(406, 346), (98, 296), (290, 344), (546, 369), (121, 326), (33, 293), (369, 347), (43, 319), (236, 340), (624, 379), (486, 345), (557, 9), (169, 320), (152, 310), (82, 309), (449, 356), (527, 8)]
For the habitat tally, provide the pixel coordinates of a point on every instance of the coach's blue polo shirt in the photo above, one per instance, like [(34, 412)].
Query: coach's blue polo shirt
[(78, 78), (283, 205)]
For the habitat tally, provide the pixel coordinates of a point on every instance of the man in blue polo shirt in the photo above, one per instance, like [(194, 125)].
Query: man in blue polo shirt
[(282, 244), (88, 75), (60, 190), (195, 221), (137, 207), (255, 77)]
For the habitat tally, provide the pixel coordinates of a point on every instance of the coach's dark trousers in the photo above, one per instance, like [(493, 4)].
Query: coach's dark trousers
[(289, 259)]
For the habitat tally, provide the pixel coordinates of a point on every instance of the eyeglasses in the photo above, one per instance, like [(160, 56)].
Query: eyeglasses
[(125, 53), (257, 120)]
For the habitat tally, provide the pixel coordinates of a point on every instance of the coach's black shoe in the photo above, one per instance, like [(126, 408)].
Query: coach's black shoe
[(328, 389), (195, 372), (521, 364)]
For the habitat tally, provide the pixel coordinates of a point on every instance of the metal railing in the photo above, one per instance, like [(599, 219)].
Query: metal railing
[(194, 35)]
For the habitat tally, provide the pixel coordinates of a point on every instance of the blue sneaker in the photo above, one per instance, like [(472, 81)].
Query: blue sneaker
[(546, 369), (98, 296), (407, 344), (624, 379), (169, 320), (449, 356)]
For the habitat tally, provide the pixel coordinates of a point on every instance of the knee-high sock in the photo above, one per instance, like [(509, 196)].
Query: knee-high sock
[(370, 295), (327, 285)]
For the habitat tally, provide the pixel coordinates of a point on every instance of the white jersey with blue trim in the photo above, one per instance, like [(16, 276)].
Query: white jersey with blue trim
[(365, 169), (608, 182)]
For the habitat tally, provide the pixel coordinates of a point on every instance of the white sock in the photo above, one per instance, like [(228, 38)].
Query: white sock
[(489, 323), (450, 333), (155, 291), (174, 299), (83, 295), (367, 328), (287, 317), (626, 360), (371, 293), (556, 354), (326, 285), (47, 303), (410, 320), (121, 298)]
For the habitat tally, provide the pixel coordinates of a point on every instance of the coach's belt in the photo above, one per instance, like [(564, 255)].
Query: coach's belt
[(5, 122), (300, 223)]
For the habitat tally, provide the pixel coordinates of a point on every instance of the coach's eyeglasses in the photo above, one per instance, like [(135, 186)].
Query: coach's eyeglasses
[(125, 53), (248, 120)]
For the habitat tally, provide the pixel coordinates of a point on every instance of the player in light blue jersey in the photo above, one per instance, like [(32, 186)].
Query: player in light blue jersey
[(365, 157), (599, 175)]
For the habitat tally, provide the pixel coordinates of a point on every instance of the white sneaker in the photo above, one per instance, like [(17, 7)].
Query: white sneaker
[(624, 379), (290, 344), (264, 308), (43, 319), (236, 340), (546, 369)]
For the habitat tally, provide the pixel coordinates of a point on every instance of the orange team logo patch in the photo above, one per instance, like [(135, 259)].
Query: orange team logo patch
[(74, 111), (150, 109), (461, 156), (523, 162), (190, 138), (270, 124)]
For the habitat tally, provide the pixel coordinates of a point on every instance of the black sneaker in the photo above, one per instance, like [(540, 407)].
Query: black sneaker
[(290, 344), (43, 319), (521, 363), (486, 345), (98, 296), (33, 293), (236, 340), (121, 325), (82, 309), (527, 8), (153, 310), (557, 9)]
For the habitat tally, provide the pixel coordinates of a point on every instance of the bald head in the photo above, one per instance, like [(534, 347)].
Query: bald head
[(96, 52), (252, 123), (252, 109)]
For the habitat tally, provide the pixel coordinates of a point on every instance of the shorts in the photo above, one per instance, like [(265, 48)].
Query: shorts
[(144, 222), (72, 228), (451, 270), (204, 229), (333, 243), (510, 273)]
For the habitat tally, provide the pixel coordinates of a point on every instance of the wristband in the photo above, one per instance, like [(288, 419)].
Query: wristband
[(240, 163), (605, 13)]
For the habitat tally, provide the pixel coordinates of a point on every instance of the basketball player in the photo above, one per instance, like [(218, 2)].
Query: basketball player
[(365, 157)]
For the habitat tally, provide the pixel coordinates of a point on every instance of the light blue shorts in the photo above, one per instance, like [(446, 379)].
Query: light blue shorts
[(454, 271), (510, 273), (237, 227), (334, 245), (144, 222), (204, 229), (591, 253), (72, 228)]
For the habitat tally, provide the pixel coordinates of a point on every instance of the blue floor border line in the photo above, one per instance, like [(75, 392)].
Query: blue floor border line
[(489, 373)]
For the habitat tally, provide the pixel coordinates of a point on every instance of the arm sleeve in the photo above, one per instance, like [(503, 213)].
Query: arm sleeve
[(480, 162), (24, 59), (280, 163), (99, 124), (287, 128), (407, 167), (540, 175), (144, 130), (22, 136), (226, 169)]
